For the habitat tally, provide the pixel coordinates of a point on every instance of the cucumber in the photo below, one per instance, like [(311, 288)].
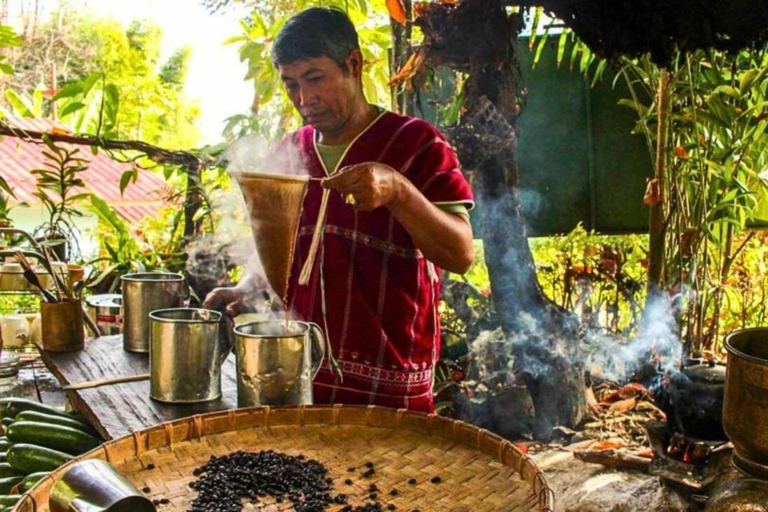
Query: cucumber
[(57, 437), (9, 500), (6, 470), (5, 443), (28, 458), (13, 406), (56, 420), (8, 483), (30, 480)]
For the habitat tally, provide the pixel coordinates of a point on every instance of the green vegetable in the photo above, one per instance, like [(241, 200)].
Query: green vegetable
[(56, 420), (9, 500), (13, 406), (30, 480), (28, 458), (57, 437), (6, 470), (8, 483)]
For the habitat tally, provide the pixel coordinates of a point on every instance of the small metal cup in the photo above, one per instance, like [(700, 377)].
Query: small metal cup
[(277, 361), (142, 294), (96, 486), (62, 326), (186, 354)]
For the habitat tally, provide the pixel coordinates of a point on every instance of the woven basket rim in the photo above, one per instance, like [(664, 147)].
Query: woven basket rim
[(198, 426)]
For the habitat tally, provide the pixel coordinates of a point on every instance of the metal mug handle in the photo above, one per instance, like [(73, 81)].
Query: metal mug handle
[(318, 347)]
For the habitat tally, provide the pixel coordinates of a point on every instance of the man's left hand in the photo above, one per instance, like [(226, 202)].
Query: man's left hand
[(369, 185)]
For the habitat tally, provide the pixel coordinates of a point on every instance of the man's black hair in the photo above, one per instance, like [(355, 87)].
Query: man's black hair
[(316, 32)]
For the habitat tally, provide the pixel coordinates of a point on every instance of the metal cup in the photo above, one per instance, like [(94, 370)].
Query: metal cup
[(186, 354), (277, 361), (142, 294), (96, 486)]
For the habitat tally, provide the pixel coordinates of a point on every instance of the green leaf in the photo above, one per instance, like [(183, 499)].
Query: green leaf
[(6, 68), (71, 108), (728, 90), (747, 79), (21, 106), (128, 177), (637, 107), (561, 44)]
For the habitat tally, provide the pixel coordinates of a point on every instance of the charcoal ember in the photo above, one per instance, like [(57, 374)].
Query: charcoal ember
[(225, 481)]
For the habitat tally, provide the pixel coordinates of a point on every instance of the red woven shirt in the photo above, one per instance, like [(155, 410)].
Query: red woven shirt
[(380, 293)]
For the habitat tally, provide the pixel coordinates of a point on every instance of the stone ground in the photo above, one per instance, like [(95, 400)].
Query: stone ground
[(584, 487)]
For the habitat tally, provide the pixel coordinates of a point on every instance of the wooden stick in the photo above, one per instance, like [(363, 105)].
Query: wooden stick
[(105, 382), (618, 459)]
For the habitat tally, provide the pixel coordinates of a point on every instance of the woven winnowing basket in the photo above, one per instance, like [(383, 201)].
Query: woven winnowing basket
[(479, 471)]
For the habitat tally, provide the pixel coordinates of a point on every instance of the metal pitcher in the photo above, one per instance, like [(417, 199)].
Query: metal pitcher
[(94, 485), (277, 361), (142, 294), (186, 354)]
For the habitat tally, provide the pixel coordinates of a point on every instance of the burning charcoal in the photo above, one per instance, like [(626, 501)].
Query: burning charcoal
[(678, 445)]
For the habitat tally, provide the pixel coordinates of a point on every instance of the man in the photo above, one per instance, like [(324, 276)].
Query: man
[(397, 211)]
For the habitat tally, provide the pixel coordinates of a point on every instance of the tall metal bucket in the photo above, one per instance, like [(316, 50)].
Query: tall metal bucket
[(277, 361), (142, 294), (186, 354)]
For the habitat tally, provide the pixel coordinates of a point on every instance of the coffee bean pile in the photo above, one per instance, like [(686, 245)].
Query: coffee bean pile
[(225, 481)]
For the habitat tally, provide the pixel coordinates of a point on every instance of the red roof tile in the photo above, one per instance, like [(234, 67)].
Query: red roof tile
[(102, 177)]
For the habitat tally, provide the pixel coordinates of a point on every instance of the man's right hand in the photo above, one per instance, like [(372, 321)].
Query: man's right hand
[(229, 300)]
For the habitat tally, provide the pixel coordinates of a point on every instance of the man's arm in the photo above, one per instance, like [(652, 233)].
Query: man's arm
[(443, 238)]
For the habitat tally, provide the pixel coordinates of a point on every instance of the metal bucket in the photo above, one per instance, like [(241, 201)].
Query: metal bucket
[(142, 294), (277, 361), (745, 410), (107, 311), (186, 354), (96, 486)]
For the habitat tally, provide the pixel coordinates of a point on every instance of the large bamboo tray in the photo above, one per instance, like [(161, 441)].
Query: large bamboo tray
[(479, 470)]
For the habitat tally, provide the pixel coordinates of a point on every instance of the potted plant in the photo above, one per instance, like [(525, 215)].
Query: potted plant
[(57, 187)]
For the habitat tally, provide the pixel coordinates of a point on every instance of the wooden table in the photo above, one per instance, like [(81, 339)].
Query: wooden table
[(119, 409)]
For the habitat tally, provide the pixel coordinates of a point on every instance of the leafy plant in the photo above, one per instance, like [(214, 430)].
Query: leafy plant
[(57, 187)]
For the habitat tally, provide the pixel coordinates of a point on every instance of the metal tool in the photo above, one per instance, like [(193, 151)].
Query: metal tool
[(106, 310), (277, 361), (186, 354), (142, 294), (95, 485)]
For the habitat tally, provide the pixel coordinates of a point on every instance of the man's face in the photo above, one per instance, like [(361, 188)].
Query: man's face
[(322, 92)]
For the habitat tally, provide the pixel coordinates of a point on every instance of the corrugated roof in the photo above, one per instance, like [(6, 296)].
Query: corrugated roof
[(102, 176)]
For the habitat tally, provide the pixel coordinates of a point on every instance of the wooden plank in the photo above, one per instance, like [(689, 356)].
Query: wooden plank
[(119, 409)]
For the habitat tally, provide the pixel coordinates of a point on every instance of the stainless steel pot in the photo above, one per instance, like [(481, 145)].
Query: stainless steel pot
[(745, 410), (186, 354), (107, 311), (142, 294), (96, 486), (277, 361)]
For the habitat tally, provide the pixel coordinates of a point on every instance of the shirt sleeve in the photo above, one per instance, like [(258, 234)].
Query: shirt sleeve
[(436, 172)]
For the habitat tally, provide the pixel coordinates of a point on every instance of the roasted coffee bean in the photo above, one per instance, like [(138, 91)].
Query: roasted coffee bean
[(164, 501), (350, 470), (340, 499), (373, 488), (225, 481), (373, 496), (369, 465), (394, 492), (369, 473), (436, 480), (146, 490), (391, 506), (412, 481), (348, 481), (150, 466)]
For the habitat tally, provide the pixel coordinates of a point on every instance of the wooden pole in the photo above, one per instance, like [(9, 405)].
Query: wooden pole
[(657, 227)]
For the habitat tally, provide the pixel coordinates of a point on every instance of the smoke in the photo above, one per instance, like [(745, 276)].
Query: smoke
[(657, 342), (253, 153)]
